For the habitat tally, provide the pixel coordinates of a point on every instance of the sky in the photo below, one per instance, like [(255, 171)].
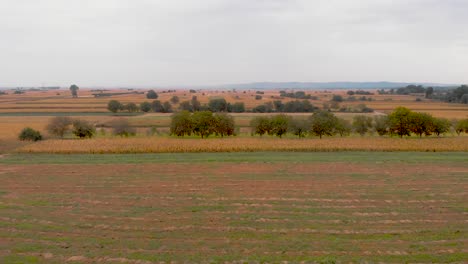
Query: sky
[(146, 43)]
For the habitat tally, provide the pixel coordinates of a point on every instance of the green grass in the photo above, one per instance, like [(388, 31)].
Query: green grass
[(69, 114), (265, 157)]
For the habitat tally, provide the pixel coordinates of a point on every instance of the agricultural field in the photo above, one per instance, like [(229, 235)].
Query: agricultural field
[(234, 207), (157, 198)]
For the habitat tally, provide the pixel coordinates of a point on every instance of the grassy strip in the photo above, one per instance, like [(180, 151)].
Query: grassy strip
[(69, 114), (357, 157)]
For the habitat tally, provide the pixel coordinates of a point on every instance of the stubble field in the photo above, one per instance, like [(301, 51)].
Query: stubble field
[(265, 207)]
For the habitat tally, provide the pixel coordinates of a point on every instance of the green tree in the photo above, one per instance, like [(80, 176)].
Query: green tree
[(224, 124), (182, 124), (323, 123), (461, 126), (238, 107), (29, 134), (362, 124), (83, 129), (280, 125), (343, 127), (400, 121), (218, 105), (131, 107), (203, 123), (186, 106), (151, 94), (167, 107), (299, 126), (114, 106), (440, 126), (145, 107), (157, 106), (196, 105), (74, 90), (59, 125), (381, 125), (261, 125), (421, 123)]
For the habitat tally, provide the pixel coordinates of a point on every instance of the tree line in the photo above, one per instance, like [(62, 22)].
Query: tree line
[(401, 122)]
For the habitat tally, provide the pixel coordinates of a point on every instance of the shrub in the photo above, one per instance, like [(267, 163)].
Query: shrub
[(83, 129), (30, 134), (258, 97), (337, 98), (59, 125), (121, 127)]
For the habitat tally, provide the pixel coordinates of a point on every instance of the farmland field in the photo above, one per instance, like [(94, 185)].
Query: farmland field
[(226, 207)]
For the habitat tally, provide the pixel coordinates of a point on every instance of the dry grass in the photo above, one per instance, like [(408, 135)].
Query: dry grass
[(240, 144)]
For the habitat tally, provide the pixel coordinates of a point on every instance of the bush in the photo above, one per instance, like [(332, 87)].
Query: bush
[(337, 98), (258, 97), (121, 127), (30, 134), (83, 129), (59, 125)]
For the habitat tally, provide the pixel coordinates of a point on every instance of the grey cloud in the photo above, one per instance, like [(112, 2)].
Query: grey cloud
[(170, 42)]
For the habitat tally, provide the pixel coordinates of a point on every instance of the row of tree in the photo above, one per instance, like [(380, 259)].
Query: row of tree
[(202, 123), (401, 122)]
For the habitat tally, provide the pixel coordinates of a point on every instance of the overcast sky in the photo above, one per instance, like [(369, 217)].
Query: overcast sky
[(207, 42)]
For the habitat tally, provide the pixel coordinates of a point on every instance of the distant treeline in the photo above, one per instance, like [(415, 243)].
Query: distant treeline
[(446, 94), (214, 105)]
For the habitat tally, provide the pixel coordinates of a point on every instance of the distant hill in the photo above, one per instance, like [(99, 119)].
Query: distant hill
[(326, 85)]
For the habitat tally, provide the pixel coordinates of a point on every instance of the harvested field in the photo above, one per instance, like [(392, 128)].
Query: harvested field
[(242, 144), (232, 207)]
